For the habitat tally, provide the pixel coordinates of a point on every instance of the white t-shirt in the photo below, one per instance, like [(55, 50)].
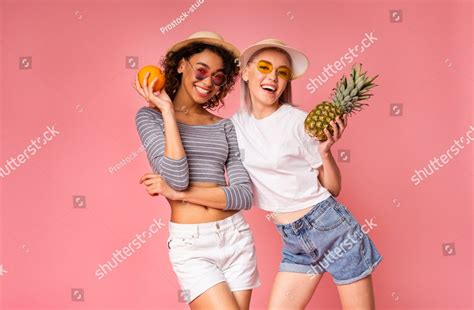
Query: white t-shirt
[(281, 159)]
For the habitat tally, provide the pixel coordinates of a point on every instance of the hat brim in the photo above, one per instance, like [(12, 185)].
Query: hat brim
[(299, 61), (215, 42)]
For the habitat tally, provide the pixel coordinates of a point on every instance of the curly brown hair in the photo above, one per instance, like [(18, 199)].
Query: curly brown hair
[(173, 79)]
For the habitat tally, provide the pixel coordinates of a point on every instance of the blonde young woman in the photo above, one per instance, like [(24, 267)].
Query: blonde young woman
[(210, 245), (296, 178)]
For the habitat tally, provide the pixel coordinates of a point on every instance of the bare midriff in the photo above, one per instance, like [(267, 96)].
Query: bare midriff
[(190, 213), (288, 217)]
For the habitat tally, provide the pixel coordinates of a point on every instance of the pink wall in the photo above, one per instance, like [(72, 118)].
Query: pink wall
[(78, 83)]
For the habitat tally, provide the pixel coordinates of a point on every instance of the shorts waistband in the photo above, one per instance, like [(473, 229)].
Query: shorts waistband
[(304, 221), (229, 223)]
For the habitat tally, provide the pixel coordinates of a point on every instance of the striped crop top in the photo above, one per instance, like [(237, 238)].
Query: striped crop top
[(209, 149)]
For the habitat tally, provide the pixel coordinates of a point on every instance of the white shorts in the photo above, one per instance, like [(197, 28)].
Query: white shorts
[(203, 255)]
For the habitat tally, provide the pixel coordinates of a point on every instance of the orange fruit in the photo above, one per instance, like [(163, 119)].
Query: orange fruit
[(154, 72)]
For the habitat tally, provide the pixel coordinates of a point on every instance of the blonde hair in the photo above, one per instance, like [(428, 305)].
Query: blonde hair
[(245, 99)]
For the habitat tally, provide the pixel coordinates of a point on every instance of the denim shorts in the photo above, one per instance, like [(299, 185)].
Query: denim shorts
[(328, 238)]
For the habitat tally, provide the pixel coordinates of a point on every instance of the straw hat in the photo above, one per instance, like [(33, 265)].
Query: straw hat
[(299, 61), (207, 37)]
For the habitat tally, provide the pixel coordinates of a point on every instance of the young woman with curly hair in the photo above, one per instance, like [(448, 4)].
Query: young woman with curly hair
[(211, 248)]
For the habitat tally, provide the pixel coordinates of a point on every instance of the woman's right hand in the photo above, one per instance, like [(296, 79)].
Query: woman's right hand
[(157, 99)]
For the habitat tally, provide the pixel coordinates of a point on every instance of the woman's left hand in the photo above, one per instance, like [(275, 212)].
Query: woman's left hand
[(325, 147), (156, 185)]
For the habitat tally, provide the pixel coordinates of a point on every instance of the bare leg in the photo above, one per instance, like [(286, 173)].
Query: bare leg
[(358, 295), (217, 297), (243, 299), (292, 290)]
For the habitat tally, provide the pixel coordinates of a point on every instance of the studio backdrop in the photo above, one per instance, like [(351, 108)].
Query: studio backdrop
[(78, 231)]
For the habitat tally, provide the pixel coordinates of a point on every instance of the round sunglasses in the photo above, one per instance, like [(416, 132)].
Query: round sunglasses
[(218, 78), (266, 67)]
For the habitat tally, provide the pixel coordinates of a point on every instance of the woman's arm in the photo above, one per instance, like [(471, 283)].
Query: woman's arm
[(165, 151), (237, 195), (162, 102), (173, 145), (160, 137), (319, 155), (329, 174), (211, 197)]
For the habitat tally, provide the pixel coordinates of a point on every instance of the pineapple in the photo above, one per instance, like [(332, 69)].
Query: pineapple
[(345, 99)]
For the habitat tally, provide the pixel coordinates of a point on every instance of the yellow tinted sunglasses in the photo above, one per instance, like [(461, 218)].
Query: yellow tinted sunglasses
[(266, 67)]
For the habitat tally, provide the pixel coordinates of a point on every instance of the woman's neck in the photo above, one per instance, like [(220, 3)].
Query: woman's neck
[(260, 110)]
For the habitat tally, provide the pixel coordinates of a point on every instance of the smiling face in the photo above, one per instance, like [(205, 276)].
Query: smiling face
[(206, 63), (266, 89)]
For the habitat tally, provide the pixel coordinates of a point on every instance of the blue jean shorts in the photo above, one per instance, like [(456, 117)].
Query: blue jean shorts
[(328, 238)]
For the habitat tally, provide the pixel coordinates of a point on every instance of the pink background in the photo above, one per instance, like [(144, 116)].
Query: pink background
[(79, 84)]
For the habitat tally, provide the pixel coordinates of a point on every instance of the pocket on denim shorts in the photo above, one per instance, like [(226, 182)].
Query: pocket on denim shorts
[(347, 214), (330, 219)]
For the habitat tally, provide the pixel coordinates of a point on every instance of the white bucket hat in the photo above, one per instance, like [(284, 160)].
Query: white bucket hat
[(299, 61)]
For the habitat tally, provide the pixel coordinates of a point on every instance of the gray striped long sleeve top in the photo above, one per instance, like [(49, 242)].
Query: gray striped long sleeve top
[(211, 150)]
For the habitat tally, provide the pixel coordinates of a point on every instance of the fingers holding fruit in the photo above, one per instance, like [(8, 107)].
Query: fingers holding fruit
[(146, 86), (335, 129), (140, 90), (149, 84), (148, 73), (330, 137), (341, 124), (349, 96), (144, 91), (333, 133), (138, 87)]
